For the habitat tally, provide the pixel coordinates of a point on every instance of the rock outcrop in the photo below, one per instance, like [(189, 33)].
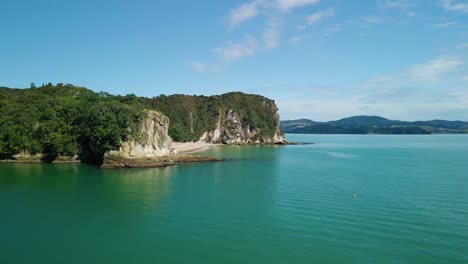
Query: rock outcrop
[(152, 140), (232, 129), (152, 147)]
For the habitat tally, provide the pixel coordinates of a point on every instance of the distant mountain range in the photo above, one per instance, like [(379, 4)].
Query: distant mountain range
[(373, 125)]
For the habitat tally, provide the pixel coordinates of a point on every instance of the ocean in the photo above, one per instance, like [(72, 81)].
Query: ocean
[(344, 199)]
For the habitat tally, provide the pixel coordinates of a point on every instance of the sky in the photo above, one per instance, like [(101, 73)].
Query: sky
[(318, 59)]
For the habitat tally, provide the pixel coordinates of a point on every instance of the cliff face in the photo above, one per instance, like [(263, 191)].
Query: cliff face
[(231, 129), (231, 118), (68, 123), (152, 140)]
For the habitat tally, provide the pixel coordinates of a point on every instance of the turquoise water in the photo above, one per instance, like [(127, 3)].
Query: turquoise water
[(291, 204)]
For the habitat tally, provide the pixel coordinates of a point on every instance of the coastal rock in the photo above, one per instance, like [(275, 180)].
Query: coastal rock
[(26, 156), (230, 129), (153, 140), (118, 162)]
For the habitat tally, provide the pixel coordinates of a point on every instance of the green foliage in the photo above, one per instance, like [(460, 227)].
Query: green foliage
[(191, 116), (64, 120)]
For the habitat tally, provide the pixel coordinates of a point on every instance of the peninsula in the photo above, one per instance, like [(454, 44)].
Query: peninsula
[(66, 123)]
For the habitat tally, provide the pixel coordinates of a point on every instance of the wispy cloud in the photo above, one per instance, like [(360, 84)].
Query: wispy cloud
[(405, 6), (410, 94), (457, 6), (295, 39), (244, 12), (462, 46), (318, 16), (334, 29), (234, 51), (199, 66), (445, 25), (399, 4), (372, 20), (435, 69), (271, 34), (274, 14), (287, 5)]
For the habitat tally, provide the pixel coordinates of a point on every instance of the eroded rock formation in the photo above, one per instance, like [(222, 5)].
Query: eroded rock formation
[(231, 129), (151, 140)]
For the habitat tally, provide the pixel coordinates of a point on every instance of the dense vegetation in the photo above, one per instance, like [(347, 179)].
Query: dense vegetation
[(191, 116), (65, 120), (373, 125), (61, 120)]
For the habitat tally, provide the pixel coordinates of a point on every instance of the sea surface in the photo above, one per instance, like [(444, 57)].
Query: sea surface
[(345, 199)]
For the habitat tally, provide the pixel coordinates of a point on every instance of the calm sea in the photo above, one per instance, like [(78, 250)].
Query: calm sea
[(346, 199)]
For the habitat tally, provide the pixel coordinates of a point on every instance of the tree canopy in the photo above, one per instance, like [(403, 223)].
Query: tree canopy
[(65, 120)]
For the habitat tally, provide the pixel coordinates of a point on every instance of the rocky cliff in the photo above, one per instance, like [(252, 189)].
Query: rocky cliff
[(151, 147), (232, 118), (230, 129), (65, 123), (151, 139)]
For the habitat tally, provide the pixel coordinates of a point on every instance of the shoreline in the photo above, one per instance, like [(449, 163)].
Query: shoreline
[(37, 161), (192, 147), (184, 152), (156, 162)]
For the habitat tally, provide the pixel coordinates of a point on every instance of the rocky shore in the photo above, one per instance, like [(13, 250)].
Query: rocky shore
[(156, 162)]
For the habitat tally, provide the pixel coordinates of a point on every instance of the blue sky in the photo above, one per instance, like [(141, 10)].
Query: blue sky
[(319, 59)]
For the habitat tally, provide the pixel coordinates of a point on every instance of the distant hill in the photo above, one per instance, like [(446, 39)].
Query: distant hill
[(373, 125), (363, 121)]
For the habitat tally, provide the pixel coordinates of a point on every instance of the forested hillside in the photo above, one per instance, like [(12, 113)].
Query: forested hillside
[(191, 116), (59, 120), (65, 120), (373, 125)]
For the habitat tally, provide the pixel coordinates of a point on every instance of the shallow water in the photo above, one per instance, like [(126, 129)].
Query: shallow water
[(290, 204)]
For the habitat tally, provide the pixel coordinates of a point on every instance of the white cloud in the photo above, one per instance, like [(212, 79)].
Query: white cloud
[(271, 38), (377, 81), (244, 12), (396, 96), (404, 6), (316, 17), (295, 40), (271, 34), (287, 5), (396, 4), (198, 66), (445, 25), (435, 69), (205, 67), (273, 12), (463, 46), (301, 27), (234, 51), (399, 4), (320, 108), (371, 20), (334, 29), (457, 6)]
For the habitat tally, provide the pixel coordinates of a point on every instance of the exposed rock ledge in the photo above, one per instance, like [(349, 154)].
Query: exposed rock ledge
[(230, 130), (152, 148), (156, 161), (152, 141)]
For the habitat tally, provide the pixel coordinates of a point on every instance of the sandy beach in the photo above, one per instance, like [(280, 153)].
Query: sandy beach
[(191, 147)]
